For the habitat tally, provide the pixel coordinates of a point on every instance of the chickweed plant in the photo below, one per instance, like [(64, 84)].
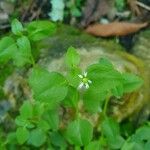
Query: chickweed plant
[(60, 115)]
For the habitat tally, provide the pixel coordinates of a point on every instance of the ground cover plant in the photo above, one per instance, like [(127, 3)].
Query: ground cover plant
[(61, 112)]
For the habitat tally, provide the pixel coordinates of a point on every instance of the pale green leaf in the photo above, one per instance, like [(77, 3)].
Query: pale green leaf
[(72, 98), (93, 99), (38, 30), (131, 82), (22, 135), (42, 124), (48, 87), (26, 110), (7, 49), (58, 140), (23, 55), (79, 132), (52, 118), (37, 137), (94, 145), (110, 130), (16, 27), (72, 58)]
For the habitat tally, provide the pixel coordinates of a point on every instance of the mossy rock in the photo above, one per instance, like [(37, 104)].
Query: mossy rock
[(91, 49)]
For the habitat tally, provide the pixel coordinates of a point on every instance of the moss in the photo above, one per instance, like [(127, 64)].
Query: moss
[(67, 36), (145, 34)]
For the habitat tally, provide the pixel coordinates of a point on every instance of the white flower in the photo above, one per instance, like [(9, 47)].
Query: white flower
[(84, 81)]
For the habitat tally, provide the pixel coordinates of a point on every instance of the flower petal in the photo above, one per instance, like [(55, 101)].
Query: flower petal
[(86, 85), (89, 81), (80, 85), (85, 74), (80, 76)]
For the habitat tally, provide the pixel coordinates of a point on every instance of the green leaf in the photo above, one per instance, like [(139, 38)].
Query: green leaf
[(142, 134), (23, 55), (110, 130), (147, 145), (43, 125), (118, 91), (120, 4), (26, 110), (75, 12), (58, 140), (38, 106), (16, 27), (22, 135), (48, 87), (93, 99), (73, 78), (7, 49), (79, 132), (37, 137), (132, 146), (138, 141), (52, 118), (20, 121), (11, 137), (105, 62), (94, 145), (104, 76), (72, 98), (38, 30), (131, 82), (72, 58)]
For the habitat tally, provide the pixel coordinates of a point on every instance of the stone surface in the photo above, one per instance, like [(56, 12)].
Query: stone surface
[(91, 50)]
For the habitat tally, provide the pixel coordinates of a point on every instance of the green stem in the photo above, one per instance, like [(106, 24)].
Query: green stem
[(106, 104), (33, 62)]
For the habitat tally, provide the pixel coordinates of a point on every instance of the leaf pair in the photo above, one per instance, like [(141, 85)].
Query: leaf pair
[(79, 132), (140, 140), (48, 87), (106, 79)]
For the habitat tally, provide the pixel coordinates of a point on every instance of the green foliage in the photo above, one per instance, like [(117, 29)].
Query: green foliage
[(22, 135), (17, 27), (94, 145), (18, 47), (38, 30), (37, 137), (23, 55), (120, 4), (62, 107), (72, 98), (72, 57), (7, 49), (79, 132), (140, 140), (64, 8), (48, 87), (26, 110), (74, 8), (110, 130), (106, 79)]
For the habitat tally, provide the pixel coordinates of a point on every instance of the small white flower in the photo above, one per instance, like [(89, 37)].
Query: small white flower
[(84, 81)]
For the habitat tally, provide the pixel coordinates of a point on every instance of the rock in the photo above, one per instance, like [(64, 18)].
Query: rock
[(91, 49)]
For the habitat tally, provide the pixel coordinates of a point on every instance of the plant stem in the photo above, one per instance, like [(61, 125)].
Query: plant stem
[(106, 104), (33, 61)]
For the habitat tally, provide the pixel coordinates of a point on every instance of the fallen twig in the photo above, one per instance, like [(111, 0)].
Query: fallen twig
[(143, 5)]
